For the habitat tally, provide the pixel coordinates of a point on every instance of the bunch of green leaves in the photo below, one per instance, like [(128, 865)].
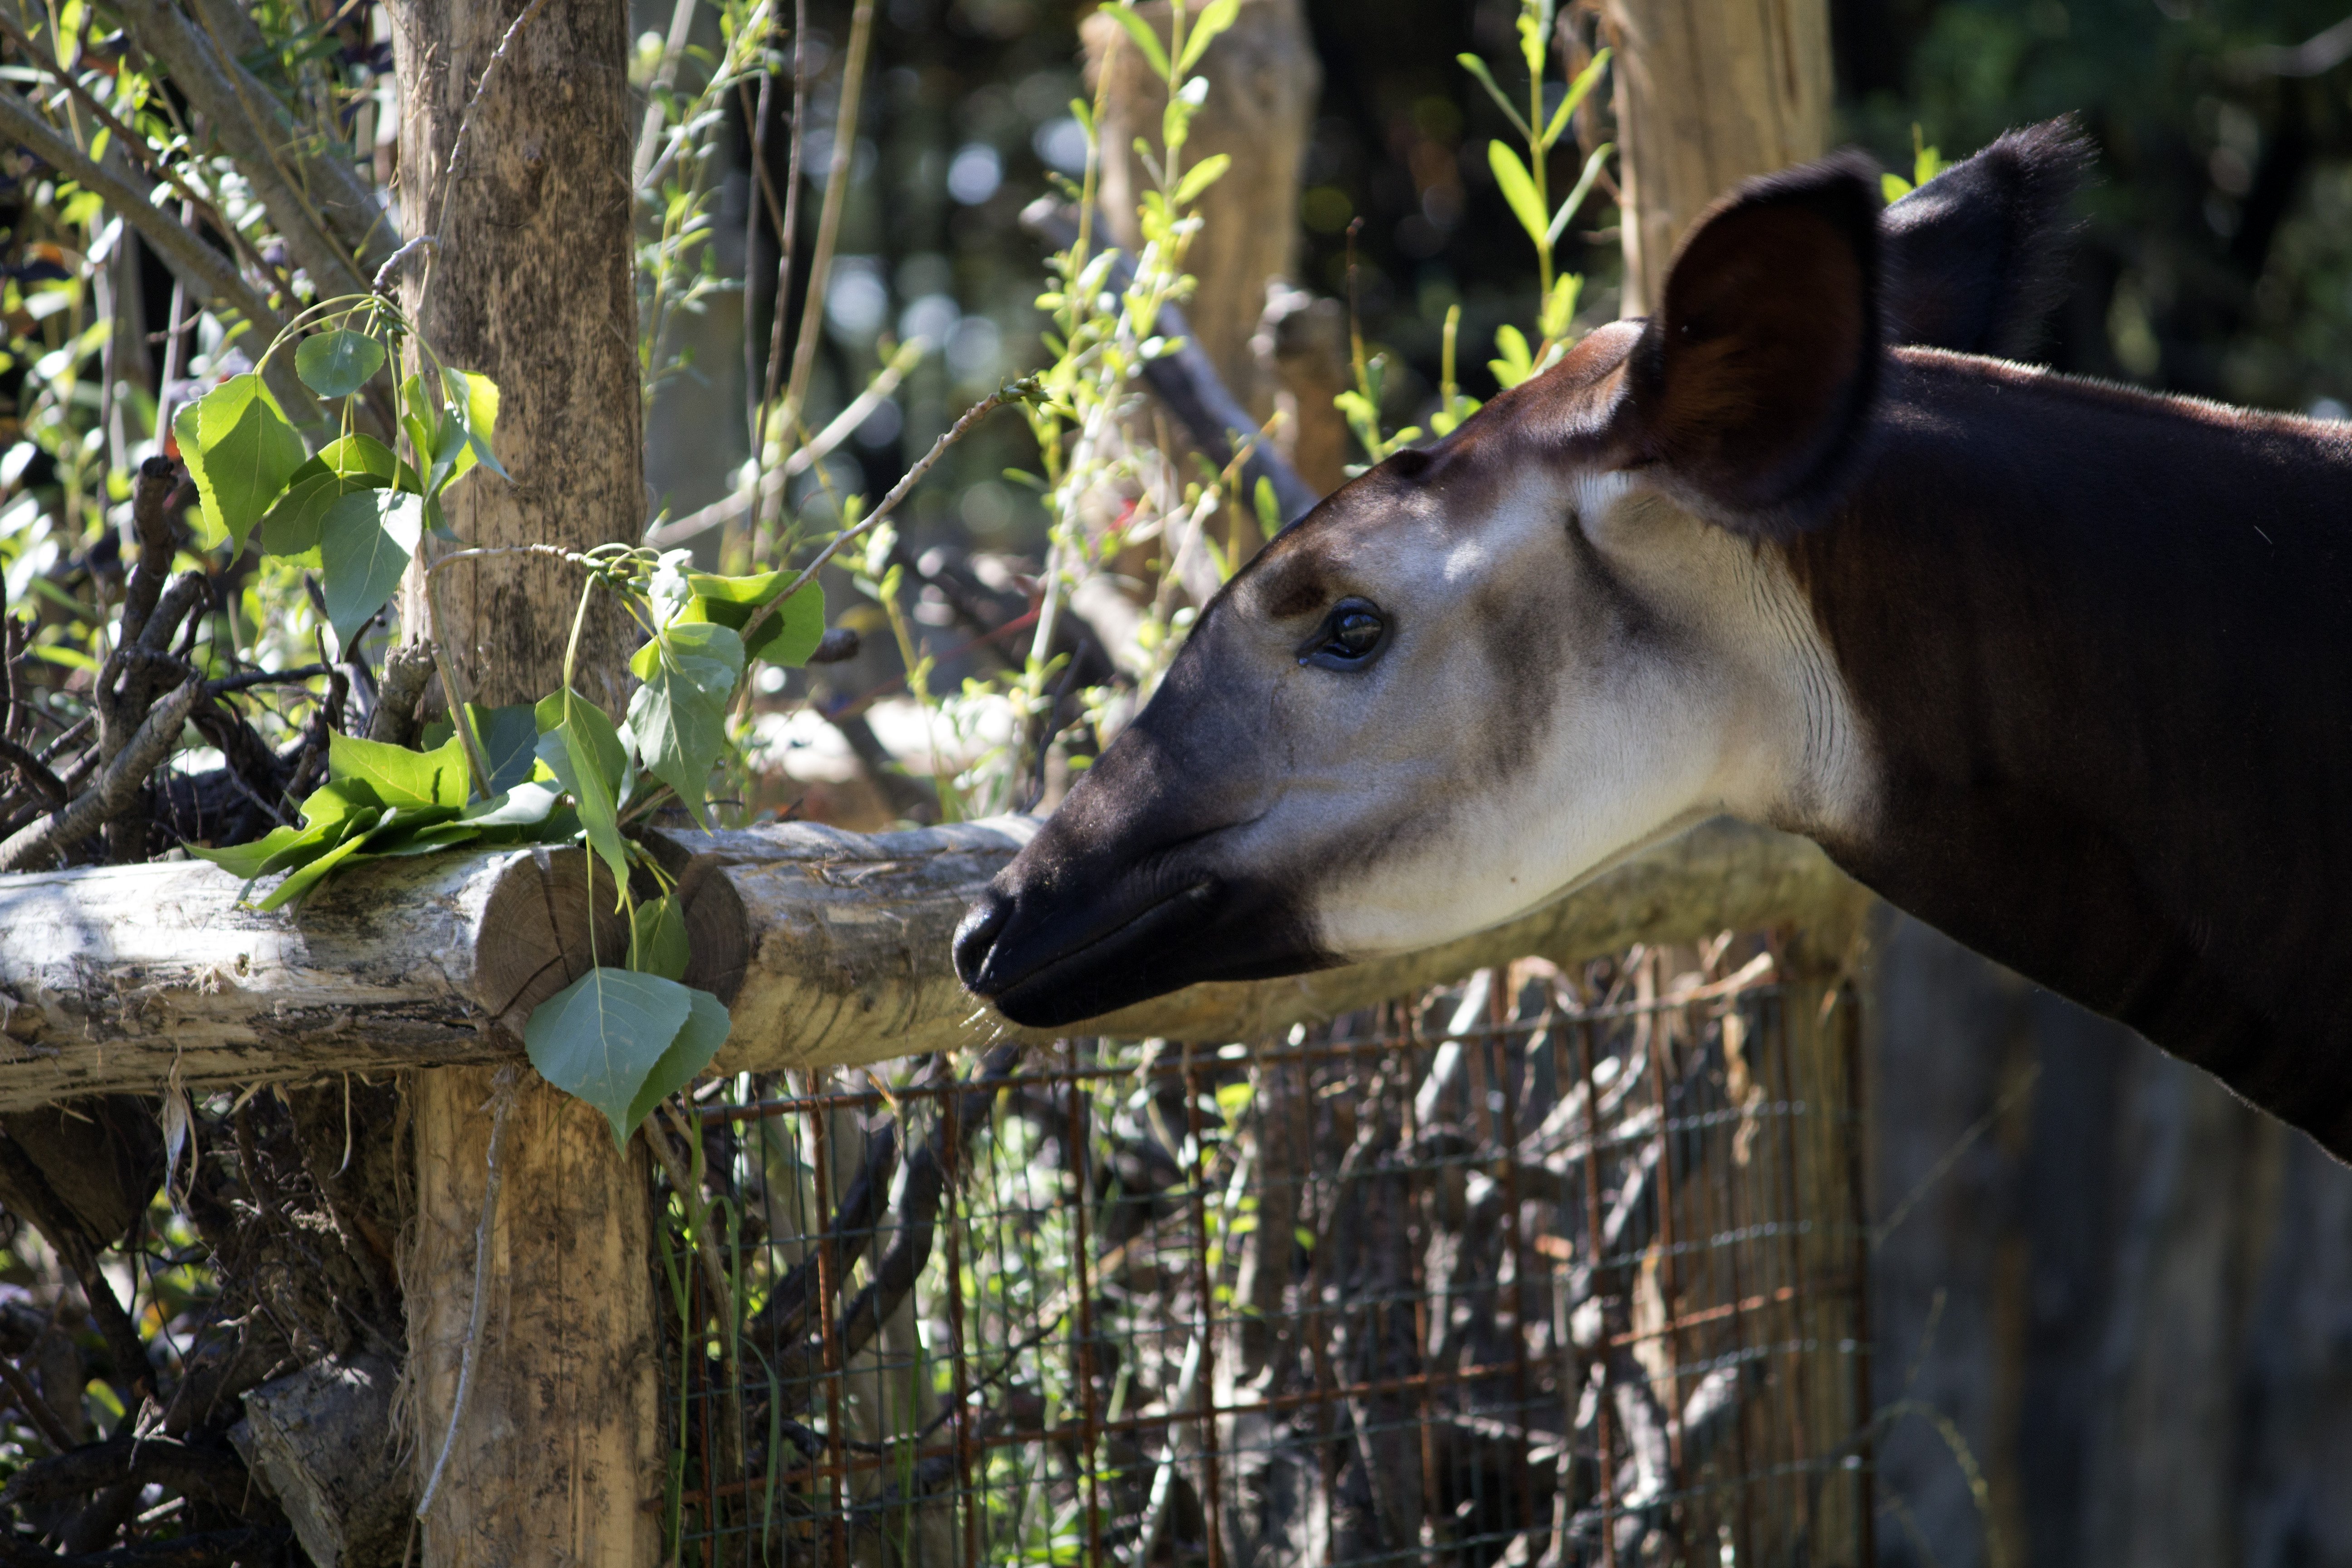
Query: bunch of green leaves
[(628, 1033), (1525, 184), (355, 510)]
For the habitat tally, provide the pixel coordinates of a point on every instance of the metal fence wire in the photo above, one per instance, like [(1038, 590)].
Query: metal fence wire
[(1544, 1268)]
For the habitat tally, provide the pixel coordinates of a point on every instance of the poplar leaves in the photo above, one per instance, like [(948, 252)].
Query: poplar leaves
[(354, 509)]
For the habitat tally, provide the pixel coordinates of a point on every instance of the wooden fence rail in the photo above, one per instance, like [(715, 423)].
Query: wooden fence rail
[(829, 948)]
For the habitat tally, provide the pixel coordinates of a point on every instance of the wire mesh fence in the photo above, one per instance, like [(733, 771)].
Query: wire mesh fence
[(1548, 1267)]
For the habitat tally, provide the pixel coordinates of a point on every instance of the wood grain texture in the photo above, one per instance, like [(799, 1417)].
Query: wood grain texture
[(1709, 92)]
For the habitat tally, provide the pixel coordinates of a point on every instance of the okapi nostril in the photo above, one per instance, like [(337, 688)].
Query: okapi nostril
[(976, 937)]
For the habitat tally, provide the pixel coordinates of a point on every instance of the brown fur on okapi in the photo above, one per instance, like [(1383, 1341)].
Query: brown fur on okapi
[(2060, 666)]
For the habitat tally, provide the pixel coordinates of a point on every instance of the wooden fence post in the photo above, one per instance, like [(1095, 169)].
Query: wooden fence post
[(1709, 92), (515, 156)]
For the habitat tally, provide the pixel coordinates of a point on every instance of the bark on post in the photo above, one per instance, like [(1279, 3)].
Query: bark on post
[(1709, 92), (514, 156)]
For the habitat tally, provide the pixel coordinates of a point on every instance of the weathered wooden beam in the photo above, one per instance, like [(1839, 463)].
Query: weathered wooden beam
[(829, 947)]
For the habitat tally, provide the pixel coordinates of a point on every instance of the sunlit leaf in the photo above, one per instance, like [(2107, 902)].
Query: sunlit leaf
[(1215, 18), (1146, 37), (1518, 188), (601, 1038), (240, 451), (1574, 98), (310, 875), (786, 637), (338, 364), (399, 776), (581, 747), (1201, 176), (474, 407)]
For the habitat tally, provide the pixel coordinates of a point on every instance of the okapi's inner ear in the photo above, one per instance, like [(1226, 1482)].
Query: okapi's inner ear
[(1752, 381), (1976, 257)]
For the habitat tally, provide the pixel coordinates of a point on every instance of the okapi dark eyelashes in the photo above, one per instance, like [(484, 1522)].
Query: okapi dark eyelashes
[(1348, 637)]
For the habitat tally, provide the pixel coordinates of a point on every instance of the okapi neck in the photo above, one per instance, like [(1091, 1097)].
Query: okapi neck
[(2101, 645)]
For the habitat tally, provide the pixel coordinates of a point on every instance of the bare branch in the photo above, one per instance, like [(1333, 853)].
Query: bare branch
[(196, 264), (226, 93), (116, 789)]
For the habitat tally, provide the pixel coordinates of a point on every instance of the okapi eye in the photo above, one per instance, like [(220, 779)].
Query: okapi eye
[(1350, 635)]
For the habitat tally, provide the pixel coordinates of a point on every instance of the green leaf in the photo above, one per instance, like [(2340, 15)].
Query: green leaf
[(679, 714), (1559, 311), (338, 364), (1215, 18), (612, 757), (509, 738), (291, 527), (583, 749), (1516, 361), (1201, 176), (1577, 90), (1269, 510), (786, 637), (365, 542), (697, 1044), (522, 805), (359, 457), (311, 874), (336, 800), (1146, 38), (657, 944), (601, 1038), (240, 451), (1519, 189), (1894, 187), (247, 861), (1592, 166), (1477, 67), (474, 409), (399, 776)]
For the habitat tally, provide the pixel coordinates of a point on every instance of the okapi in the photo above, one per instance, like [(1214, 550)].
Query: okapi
[(2062, 668)]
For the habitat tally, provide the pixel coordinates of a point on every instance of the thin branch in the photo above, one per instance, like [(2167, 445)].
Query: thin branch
[(771, 484), (222, 90), (828, 223), (971, 416), (118, 785), (33, 771), (195, 263), (37, 1409), (133, 144)]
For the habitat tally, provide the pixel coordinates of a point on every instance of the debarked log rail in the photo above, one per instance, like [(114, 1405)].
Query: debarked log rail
[(830, 948)]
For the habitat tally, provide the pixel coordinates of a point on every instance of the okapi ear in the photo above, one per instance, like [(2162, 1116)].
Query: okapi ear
[(1751, 382), (1976, 257)]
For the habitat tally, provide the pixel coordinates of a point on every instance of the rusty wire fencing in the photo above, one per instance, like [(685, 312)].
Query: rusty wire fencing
[(1544, 1268)]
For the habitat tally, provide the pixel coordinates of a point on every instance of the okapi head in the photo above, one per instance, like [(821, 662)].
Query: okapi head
[(1487, 670)]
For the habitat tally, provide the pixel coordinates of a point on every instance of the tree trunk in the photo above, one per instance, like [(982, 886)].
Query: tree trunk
[(1709, 92), (514, 155)]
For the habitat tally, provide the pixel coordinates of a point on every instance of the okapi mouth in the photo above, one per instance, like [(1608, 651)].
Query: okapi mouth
[(1103, 969)]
